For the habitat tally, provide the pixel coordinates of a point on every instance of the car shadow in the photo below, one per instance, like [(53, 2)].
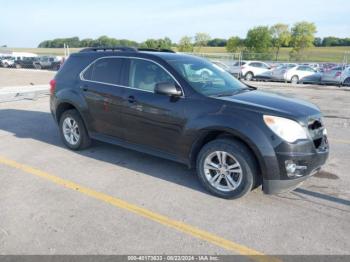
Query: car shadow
[(40, 126)]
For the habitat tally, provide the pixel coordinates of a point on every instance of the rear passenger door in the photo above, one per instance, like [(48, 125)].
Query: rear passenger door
[(102, 88), (152, 120)]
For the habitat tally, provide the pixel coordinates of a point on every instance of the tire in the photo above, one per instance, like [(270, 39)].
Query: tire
[(249, 76), (77, 140), (245, 175), (294, 80), (18, 66), (6, 65), (346, 82), (38, 66)]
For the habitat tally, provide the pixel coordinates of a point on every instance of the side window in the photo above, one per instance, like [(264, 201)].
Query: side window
[(105, 70), (255, 65), (144, 75)]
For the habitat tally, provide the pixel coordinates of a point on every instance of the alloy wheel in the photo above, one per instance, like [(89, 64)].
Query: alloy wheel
[(223, 171), (71, 131)]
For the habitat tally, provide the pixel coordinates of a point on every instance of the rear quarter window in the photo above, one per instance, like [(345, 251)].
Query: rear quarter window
[(105, 70)]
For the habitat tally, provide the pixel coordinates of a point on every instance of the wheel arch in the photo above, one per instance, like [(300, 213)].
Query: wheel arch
[(64, 106), (207, 136)]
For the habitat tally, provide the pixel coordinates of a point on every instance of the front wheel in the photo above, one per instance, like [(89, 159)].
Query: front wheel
[(294, 80), (226, 168), (73, 131)]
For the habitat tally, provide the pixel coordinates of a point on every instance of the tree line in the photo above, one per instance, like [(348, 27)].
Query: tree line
[(262, 42)]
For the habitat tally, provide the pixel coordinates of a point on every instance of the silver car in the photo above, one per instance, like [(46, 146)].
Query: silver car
[(336, 75), (278, 73)]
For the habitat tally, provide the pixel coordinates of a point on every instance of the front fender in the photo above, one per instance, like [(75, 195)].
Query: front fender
[(245, 128)]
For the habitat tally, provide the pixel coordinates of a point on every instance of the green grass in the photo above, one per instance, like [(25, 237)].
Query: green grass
[(314, 54)]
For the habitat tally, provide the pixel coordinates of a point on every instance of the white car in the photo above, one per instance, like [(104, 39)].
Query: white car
[(7, 62), (253, 69), (302, 74)]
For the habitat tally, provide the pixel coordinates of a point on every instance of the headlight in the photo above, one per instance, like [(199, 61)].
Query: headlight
[(286, 129)]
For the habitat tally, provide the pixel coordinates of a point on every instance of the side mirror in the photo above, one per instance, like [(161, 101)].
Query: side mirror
[(168, 89)]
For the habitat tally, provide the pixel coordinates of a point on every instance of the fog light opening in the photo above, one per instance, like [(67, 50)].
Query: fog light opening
[(293, 170)]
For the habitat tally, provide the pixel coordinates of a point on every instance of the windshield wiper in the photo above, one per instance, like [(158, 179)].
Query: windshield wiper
[(234, 92)]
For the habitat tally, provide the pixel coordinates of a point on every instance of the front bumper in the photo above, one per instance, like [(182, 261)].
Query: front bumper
[(303, 154)]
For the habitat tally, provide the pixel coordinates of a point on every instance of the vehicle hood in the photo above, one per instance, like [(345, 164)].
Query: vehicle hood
[(271, 103)]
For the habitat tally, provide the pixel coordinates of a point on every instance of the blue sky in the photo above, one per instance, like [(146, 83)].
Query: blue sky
[(26, 23)]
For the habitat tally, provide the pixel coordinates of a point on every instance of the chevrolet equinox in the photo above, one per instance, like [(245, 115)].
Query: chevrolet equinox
[(161, 103)]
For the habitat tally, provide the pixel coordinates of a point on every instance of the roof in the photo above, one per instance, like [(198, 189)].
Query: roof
[(130, 51)]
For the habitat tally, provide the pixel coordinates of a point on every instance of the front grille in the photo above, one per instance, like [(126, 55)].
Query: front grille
[(316, 128)]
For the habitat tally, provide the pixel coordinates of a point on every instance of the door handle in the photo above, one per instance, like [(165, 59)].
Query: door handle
[(131, 99)]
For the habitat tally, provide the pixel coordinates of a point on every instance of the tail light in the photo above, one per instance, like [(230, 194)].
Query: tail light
[(337, 74), (52, 86), (242, 67), (283, 71)]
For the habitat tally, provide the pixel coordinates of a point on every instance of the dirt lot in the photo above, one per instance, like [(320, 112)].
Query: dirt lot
[(109, 200)]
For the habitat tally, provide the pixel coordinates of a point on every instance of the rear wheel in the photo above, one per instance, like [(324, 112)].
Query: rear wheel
[(38, 66), (249, 76), (294, 80), (73, 131), (226, 168)]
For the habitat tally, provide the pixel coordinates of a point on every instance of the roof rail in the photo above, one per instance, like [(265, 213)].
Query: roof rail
[(124, 49), (114, 48), (156, 50)]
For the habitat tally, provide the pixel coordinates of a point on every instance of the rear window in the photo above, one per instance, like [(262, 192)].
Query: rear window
[(105, 70), (336, 68), (239, 63)]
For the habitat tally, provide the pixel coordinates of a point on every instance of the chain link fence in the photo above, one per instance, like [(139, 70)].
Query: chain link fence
[(52, 59)]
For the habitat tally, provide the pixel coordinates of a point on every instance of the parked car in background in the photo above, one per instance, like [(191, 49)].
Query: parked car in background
[(277, 74), (224, 67), (236, 68), (7, 61), (47, 62), (336, 75), (302, 74), (26, 62), (253, 69), (346, 76), (313, 65), (327, 66)]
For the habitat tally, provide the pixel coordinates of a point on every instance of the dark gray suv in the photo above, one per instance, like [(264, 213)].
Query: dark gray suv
[(159, 102)]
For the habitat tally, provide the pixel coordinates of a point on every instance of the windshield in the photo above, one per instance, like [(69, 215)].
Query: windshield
[(206, 77)]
